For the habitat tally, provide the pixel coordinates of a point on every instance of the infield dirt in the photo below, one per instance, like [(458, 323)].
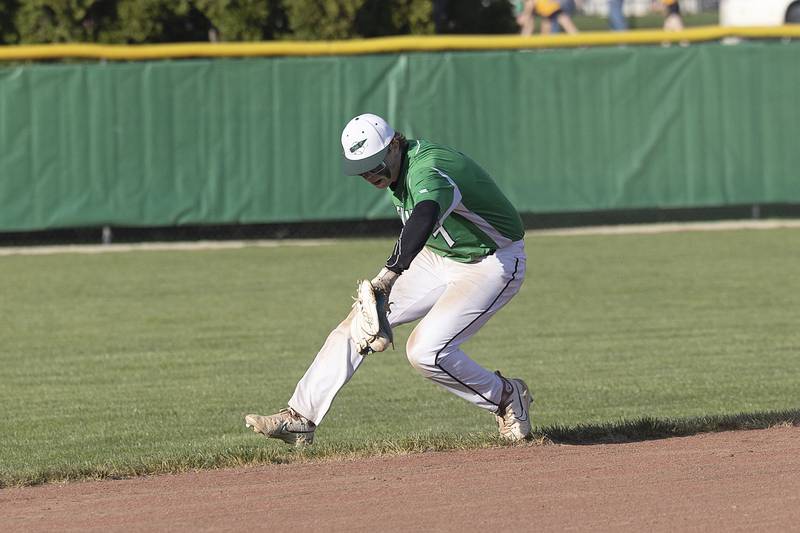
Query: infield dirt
[(732, 481)]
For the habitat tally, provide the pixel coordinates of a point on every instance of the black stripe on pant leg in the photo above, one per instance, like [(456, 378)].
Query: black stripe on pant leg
[(436, 362)]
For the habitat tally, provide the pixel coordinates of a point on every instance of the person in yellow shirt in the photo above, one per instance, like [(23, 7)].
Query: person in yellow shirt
[(552, 13)]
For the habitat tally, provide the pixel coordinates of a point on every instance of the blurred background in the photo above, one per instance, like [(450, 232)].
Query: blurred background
[(245, 145), (156, 21)]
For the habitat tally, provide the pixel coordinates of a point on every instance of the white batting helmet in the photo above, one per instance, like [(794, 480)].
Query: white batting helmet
[(365, 141)]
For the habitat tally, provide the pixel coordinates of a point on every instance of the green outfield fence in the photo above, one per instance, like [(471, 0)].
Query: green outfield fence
[(170, 135)]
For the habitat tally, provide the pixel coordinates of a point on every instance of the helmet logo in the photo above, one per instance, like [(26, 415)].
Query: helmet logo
[(358, 148)]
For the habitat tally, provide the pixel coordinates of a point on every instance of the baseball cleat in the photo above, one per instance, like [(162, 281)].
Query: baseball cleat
[(513, 414), (287, 425)]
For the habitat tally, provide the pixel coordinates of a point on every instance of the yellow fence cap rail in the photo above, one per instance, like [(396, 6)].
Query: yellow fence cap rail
[(405, 43)]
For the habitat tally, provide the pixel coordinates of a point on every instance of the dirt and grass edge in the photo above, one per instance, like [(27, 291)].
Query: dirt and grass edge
[(273, 452)]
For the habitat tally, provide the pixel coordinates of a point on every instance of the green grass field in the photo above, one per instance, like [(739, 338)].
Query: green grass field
[(141, 362)]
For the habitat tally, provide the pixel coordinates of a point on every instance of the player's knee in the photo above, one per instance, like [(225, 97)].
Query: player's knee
[(423, 362), (420, 354)]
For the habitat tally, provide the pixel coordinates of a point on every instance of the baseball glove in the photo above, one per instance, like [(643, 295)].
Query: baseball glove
[(369, 328)]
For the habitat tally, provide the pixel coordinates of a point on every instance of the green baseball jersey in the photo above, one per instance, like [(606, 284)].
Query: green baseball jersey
[(475, 217)]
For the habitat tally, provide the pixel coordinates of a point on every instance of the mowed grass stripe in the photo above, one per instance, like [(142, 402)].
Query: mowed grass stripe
[(123, 364)]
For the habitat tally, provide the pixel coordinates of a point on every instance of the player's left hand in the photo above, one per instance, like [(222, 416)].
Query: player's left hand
[(384, 281)]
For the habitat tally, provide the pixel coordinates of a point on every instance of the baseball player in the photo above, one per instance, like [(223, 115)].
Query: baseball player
[(458, 260)]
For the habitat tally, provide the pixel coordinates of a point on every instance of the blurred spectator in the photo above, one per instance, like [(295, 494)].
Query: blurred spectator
[(524, 13), (673, 21), (616, 17), (554, 17)]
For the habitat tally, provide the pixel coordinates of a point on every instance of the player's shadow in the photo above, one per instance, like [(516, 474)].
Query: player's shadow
[(650, 428)]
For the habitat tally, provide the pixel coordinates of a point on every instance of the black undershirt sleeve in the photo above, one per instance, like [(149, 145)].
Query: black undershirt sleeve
[(413, 236)]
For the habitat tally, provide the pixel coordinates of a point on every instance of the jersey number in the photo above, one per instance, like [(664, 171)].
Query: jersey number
[(446, 236)]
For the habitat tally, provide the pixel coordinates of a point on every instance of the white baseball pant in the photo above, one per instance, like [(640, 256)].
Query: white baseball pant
[(454, 300)]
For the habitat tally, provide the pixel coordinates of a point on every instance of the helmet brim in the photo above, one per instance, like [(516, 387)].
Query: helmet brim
[(354, 167)]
